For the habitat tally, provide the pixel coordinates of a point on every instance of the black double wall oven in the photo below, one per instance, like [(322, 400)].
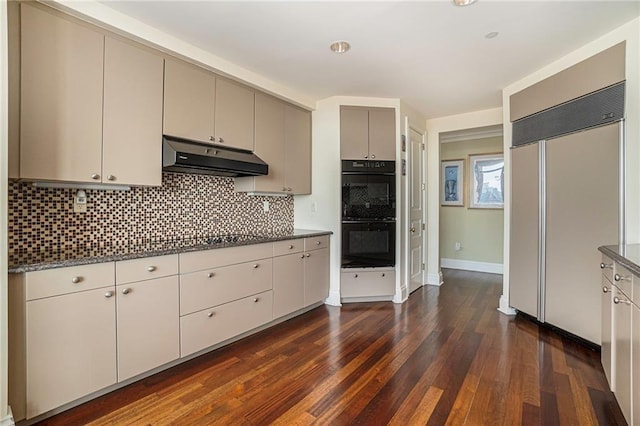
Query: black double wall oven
[(368, 214)]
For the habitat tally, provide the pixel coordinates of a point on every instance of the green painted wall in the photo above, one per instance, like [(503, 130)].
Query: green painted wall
[(479, 231)]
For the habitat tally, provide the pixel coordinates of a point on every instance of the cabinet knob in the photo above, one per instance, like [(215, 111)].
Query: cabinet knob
[(255, 265), (618, 277), (151, 268), (212, 138), (284, 189), (220, 140), (366, 156), (308, 255), (95, 176), (76, 280), (108, 294), (605, 265), (383, 275), (617, 301), (255, 300), (210, 275), (290, 246), (111, 177), (126, 291), (318, 243), (210, 314), (605, 289), (355, 276), (373, 156), (302, 256)]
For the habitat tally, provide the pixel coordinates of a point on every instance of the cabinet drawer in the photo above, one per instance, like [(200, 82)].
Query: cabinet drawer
[(281, 248), (54, 282), (129, 271), (199, 290), (209, 327), (367, 283), (207, 259), (607, 267), (623, 279), (314, 243)]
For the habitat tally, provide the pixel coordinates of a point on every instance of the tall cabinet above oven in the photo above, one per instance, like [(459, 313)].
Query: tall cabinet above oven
[(368, 207)]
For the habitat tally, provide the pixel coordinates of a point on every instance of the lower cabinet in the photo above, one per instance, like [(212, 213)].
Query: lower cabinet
[(606, 351), (622, 342), (635, 363), (70, 348), (288, 284), (148, 325), (211, 326), (363, 283), (316, 276)]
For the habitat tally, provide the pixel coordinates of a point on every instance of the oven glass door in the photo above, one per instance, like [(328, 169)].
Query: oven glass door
[(368, 197), (368, 244)]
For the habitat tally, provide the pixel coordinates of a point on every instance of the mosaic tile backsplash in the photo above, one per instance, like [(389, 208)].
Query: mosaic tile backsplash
[(185, 206)]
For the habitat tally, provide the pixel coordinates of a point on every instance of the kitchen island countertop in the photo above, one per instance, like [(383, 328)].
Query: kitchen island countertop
[(73, 256)]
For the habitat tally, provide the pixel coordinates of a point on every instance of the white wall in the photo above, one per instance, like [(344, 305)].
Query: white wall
[(326, 192), (471, 120), (5, 414), (630, 33)]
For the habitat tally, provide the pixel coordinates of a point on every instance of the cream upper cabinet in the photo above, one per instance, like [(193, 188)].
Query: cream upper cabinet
[(234, 115), (367, 133), (202, 107), (61, 98), (132, 135), (189, 100), (283, 141)]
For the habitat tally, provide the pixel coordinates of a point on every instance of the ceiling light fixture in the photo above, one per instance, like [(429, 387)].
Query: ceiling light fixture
[(463, 2), (340, 47)]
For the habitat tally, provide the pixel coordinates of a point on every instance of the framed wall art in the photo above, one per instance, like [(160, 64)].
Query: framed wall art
[(486, 181), (452, 183)]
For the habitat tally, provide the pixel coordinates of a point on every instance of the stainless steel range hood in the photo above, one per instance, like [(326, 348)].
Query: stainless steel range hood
[(186, 156)]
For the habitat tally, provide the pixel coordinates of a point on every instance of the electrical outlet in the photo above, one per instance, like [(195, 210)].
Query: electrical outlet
[(80, 202), (457, 246), (265, 206)]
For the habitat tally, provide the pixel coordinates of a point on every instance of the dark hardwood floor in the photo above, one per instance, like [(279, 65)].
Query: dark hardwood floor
[(446, 356)]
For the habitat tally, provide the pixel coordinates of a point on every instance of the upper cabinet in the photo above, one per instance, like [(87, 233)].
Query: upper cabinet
[(283, 141), (202, 107), (367, 133), (90, 108)]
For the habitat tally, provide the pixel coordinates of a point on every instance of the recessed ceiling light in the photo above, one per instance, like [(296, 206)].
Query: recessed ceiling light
[(340, 47), (463, 2), (492, 34)]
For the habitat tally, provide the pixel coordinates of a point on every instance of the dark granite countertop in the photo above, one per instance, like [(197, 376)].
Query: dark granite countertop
[(74, 256), (628, 255)]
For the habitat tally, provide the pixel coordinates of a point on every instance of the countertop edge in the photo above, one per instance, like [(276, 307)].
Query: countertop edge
[(297, 234), (617, 257)]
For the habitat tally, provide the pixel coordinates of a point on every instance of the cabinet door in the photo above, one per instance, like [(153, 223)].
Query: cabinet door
[(316, 276), (606, 352), (148, 325), (234, 115), (525, 204), (270, 145), (189, 94), (288, 284), (635, 367), (622, 338), (354, 133), (297, 154), (382, 134), (132, 134), (71, 348), (61, 99)]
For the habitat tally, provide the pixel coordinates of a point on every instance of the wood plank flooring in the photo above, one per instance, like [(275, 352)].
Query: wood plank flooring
[(447, 356)]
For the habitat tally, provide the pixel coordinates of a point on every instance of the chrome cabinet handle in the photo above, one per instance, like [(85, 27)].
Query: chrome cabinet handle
[(617, 300), (255, 300), (318, 243), (210, 275), (126, 291), (605, 289), (302, 256), (355, 276), (308, 254), (618, 277), (76, 280), (383, 275), (151, 268), (210, 314), (111, 177), (95, 176), (605, 265), (290, 246), (220, 140), (412, 229), (366, 156), (373, 156), (108, 294), (212, 138), (255, 265)]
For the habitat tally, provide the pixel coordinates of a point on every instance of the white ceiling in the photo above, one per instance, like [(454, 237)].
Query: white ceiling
[(431, 54)]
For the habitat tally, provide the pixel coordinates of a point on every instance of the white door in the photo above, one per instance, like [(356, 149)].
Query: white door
[(416, 202)]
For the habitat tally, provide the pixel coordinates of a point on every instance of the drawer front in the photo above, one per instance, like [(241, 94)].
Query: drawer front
[(129, 271), (606, 266), (209, 327), (314, 243), (366, 284), (281, 248), (54, 282), (623, 279), (208, 259), (202, 289)]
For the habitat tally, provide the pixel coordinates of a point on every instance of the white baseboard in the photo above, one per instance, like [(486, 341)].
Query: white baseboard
[(504, 306), (8, 420), (470, 265), (435, 279), (333, 299)]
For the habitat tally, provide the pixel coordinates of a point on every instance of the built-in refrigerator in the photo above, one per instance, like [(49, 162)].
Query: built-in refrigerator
[(567, 198)]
